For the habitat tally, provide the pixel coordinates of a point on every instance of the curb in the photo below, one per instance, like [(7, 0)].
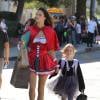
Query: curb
[(88, 49), (58, 54)]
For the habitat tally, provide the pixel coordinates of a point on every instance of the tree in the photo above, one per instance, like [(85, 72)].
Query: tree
[(92, 8), (81, 8), (21, 3), (66, 3), (20, 9), (98, 2)]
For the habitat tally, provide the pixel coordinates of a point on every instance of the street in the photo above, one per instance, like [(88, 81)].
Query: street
[(91, 71)]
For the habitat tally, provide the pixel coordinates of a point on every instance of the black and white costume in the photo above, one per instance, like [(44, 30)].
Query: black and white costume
[(69, 80)]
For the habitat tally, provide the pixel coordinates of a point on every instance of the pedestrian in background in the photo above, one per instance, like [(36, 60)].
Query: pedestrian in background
[(4, 43), (70, 79), (42, 45), (3, 25), (92, 27), (78, 33), (60, 30), (72, 25)]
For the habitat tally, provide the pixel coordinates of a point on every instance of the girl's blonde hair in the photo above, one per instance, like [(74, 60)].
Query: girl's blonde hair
[(67, 46)]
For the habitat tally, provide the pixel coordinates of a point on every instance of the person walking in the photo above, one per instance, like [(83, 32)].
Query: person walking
[(3, 25), (69, 78), (92, 27), (42, 45), (78, 33), (59, 28), (4, 43)]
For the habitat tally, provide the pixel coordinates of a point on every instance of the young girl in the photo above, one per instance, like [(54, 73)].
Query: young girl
[(70, 78)]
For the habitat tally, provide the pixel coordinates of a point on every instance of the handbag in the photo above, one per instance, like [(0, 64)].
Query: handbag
[(23, 57), (20, 76), (81, 96)]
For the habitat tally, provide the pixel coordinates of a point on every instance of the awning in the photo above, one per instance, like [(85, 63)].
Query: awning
[(55, 10)]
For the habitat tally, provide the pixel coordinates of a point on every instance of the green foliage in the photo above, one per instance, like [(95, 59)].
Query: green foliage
[(98, 2), (52, 2), (66, 3), (34, 4), (29, 0), (46, 2)]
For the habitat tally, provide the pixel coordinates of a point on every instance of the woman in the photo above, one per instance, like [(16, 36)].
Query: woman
[(4, 44), (42, 45)]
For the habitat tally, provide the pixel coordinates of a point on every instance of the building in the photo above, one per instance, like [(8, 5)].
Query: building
[(7, 5)]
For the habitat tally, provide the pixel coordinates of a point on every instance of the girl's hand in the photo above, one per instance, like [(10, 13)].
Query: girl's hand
[(82, 91)]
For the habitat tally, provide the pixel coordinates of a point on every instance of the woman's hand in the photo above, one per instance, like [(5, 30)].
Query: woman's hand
[(20, 44), (6, 61), (55, 73), (52, 75)]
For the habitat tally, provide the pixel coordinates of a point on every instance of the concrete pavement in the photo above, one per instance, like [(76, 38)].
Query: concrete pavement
[(8, 92)]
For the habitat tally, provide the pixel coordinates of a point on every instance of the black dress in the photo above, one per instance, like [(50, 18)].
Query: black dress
[(70, 78)]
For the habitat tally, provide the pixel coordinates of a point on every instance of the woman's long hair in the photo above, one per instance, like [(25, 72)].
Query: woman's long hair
[(48, 21)]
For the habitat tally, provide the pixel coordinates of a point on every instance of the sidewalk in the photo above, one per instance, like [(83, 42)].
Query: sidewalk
[(82, 48), (8, 92)]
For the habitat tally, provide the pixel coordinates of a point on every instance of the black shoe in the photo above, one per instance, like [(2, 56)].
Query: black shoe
[(91, 45)]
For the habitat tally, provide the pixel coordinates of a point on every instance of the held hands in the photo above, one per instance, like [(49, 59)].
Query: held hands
[(55, 73)]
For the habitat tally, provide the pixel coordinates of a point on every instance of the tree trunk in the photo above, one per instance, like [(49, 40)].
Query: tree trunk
[(92, 8), (81, 8), (19, 10)]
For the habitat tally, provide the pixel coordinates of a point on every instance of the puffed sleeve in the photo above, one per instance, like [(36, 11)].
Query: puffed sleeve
[(53, 43), (80, 78)]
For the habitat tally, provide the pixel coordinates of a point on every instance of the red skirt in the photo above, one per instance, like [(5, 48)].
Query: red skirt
[(47, 64)]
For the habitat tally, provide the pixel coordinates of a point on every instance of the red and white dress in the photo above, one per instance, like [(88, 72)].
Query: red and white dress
[(39, 47)]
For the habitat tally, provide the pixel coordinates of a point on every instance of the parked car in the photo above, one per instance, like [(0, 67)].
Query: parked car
[(98, 25)]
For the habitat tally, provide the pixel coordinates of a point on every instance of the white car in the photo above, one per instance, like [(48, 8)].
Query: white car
[(98, 21)]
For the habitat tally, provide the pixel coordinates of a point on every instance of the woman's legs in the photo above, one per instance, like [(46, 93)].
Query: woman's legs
[(32, 80), (41, 86)]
